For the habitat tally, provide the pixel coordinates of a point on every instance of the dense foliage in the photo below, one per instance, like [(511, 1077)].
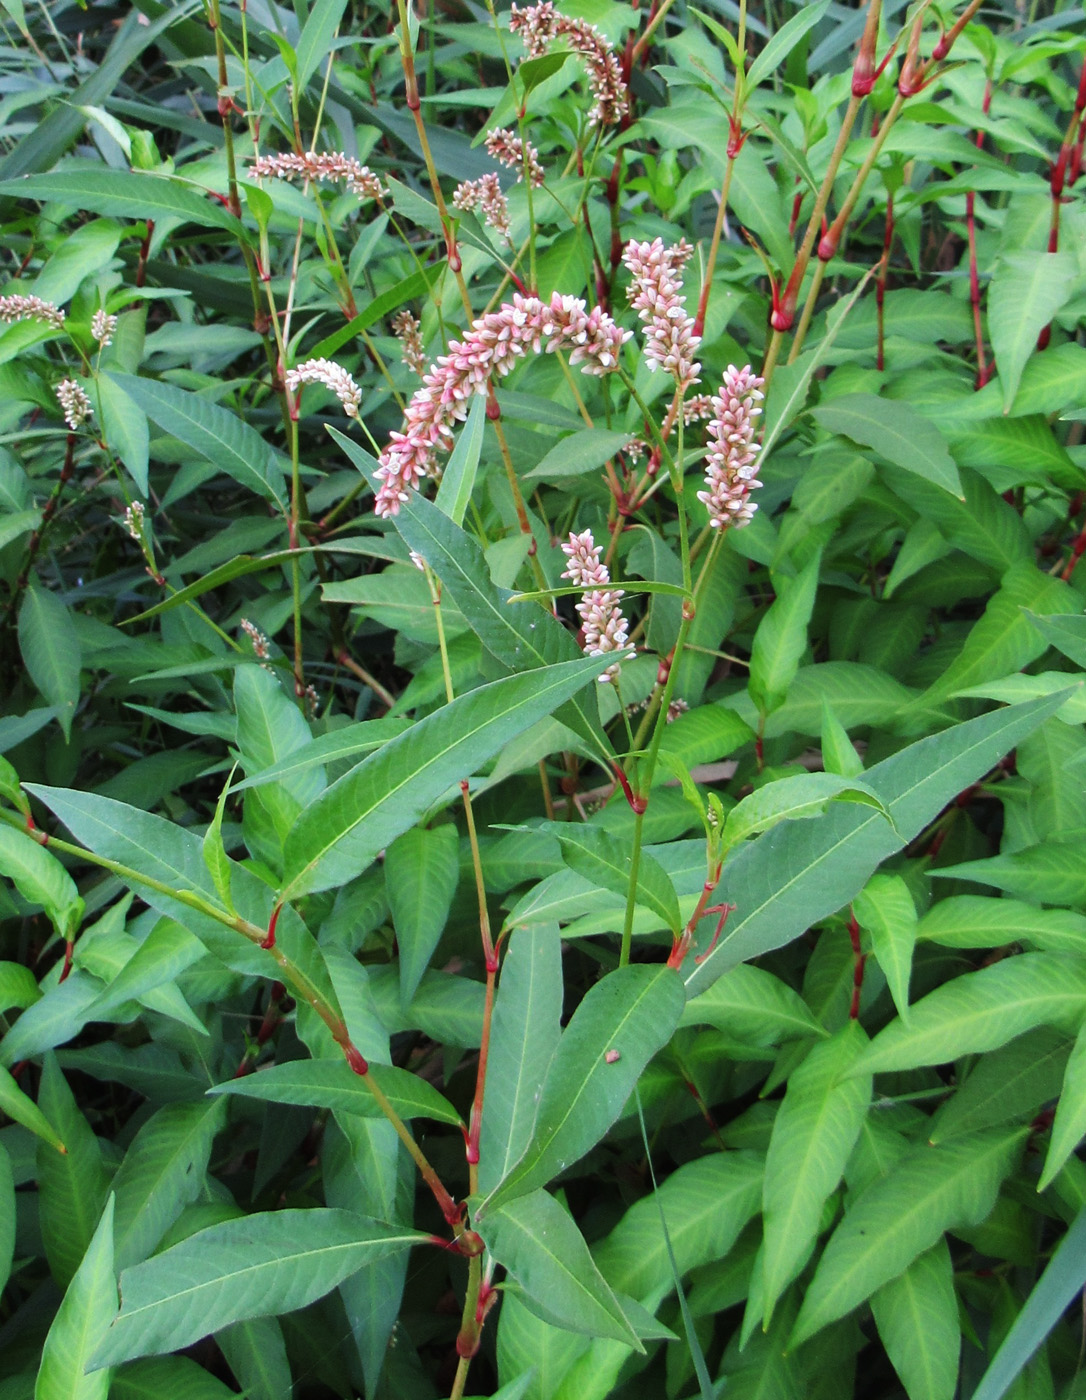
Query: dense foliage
[(612, 922)]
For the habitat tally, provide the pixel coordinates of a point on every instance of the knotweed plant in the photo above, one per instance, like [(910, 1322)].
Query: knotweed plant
[(541, 801)]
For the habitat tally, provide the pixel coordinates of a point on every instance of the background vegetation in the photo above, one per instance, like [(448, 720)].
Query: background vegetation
[(390, 1006)]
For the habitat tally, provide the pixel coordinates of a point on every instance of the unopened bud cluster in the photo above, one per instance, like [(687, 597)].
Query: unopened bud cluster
[(74, 402), (732, 460), (485, 194), (603, 626), (540, 25), (656, 295), (323, 165), (333, 377), (512, 151), (133, 521), (102, 328), (489, 351)]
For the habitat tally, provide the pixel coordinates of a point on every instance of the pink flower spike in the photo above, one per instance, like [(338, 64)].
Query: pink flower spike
[(731, 472), (656, 295), (540, 25), (510, 150), (603, 626)]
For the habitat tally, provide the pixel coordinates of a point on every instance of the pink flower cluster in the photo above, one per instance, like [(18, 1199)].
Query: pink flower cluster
[(603, 625), (333, 377), (491, 348), (540, 25), (321, 165), (407, 330), (512, 151), (485, 194), (731, 472), (656, 295), (16, 307)]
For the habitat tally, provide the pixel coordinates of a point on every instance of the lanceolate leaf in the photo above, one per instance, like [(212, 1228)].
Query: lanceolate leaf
[(538, 1242), (262, 1264), (795, 875), (126, 194), (603, 860), (886, 912), (50, 649), (931, 1190), (814, 1132), (897, 432), (333, 1084), (80, 1324), (421, 872), (524, 1035), (1069, 1126), (22, 1109), (982, 1010), (781, 639), (749, 1003), (791, 799), (517, 635), (1026, 291), (614, 1032), (917, 1317), (339, 834)]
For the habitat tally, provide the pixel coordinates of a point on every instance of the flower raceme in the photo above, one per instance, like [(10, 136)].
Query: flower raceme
[(333, 377), (74, 403), (603, 625), (16, 307), (322, 165), (540, 25), (656, 295), (491, 348), (731, 472)]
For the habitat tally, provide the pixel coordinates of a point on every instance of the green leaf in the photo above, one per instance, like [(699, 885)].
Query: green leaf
[(7, 1217), (838, 751), (82, 1319), (885, 910), (458, 478), (40, 879), (1005, 1085), (981, 921), (261, 1265), (161, 958), (524, 1035), (902, 1215), (71, 1186), (750, 1004), (256, 1352), (604, 860), (1062, 1279), (50, 648), (791, 799), (126, 194), (982, 1010), (315, 40), (1069, 1126), (895, 431), (352, 739), (124, 428), (422, 869), (1026, 291), (1054, 870), (783, 42), (613, 1034), (706, 1203), (22, 1109), (795, 875), (536, 1240), (164, 1170), (333, 1084), (917, 1317), (814, 1132), (166, 1378), (518, 637), (580, 453), (339, 834), (781, 638), (1065, 631), (211, 431)]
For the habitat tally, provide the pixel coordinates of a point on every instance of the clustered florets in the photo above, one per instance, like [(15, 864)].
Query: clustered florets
[(489, 351), (731, 472), (603, 626), (74, 402), (656, 295), (540, 25), (333, 377), (485, 194), (407, 328), (102, 328), (133, 521), (322, 165), (512, 151), (16, 307), (261, 648)]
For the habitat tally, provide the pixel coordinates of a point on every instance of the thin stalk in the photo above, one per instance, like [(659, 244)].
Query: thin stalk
[(467, 1343), (714, 248)]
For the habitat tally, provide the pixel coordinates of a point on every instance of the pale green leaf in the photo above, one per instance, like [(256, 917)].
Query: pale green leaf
[(917, 1317), (80, 1324)]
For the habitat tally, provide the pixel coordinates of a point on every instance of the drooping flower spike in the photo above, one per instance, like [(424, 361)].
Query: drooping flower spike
[(333, 377), (512, 151), (74, 402), (540, 25), (489, 351), (656, 295), (320, 165), (485, 194), (603, 625), (731, 472), (17, 307)]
